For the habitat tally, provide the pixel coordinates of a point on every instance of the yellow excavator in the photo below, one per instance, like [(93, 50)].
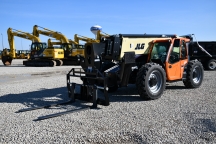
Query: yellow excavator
[(37, 46), (80, 47), (75, 55), (77, 52), (70, 51), (72, 48), (23, 54), (51, 54), (67, 52)]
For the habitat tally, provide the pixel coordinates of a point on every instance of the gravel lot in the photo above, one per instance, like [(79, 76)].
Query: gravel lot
[(179, 116)]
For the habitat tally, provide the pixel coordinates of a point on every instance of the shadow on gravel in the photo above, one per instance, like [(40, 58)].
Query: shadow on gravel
[(204, 127), (125, 94), (37, 98), (49, 96), (175, 87), (12, 66)]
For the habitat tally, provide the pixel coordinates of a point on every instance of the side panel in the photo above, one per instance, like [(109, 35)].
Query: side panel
[(139, 45), (209, 46), (58, 54), (53, 53), (76, 52), (173, 71)]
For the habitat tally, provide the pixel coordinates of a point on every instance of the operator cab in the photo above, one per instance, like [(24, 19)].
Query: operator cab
[(161, 48), (171, 54), (37, 49)]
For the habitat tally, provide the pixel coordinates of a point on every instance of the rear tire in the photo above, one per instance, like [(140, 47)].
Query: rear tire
[(211, 64), (151, 81), (194, 74)]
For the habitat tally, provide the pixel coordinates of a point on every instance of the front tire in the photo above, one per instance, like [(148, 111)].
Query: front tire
[(151, 81), (194, 74)]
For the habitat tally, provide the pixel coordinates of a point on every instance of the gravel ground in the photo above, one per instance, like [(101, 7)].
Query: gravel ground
[(179, 116)]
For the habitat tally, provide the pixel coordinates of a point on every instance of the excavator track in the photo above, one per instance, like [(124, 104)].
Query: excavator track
[(59, 62), (40, 63), (70, 62)]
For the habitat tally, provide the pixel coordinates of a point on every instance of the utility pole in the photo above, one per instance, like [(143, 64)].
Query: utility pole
[(21, 44), (2, 42)]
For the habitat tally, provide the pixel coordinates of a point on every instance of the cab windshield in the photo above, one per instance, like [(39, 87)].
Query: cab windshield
[(38, 46), (160, 50), (66, 46), (79, 46)]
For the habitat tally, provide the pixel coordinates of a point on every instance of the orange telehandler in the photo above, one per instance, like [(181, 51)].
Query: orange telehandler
[(147, 60)]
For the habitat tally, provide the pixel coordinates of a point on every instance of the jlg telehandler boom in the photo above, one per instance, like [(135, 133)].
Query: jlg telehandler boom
[(8, 56)]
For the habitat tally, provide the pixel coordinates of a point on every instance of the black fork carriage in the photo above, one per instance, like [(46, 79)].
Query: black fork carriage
[(93, 80)]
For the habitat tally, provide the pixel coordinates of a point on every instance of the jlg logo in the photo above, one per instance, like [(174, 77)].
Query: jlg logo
[(140, 46)]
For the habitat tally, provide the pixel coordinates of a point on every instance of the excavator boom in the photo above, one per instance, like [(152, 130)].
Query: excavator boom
[(78, 38), (52, 55), (54, 34)]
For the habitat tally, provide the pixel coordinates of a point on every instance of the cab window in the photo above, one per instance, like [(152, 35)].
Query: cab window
[(183, 50), (175, 53), (159, 50)]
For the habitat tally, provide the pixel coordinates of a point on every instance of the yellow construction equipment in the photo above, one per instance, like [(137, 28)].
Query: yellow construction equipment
[(70, 51), (37, 47), (78, 51), (78, 38), (22, 54), (77, 48), (67, 52), (51, 54)]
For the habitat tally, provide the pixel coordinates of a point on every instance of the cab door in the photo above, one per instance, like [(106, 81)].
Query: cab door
[(183, 55), (176, 60)]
